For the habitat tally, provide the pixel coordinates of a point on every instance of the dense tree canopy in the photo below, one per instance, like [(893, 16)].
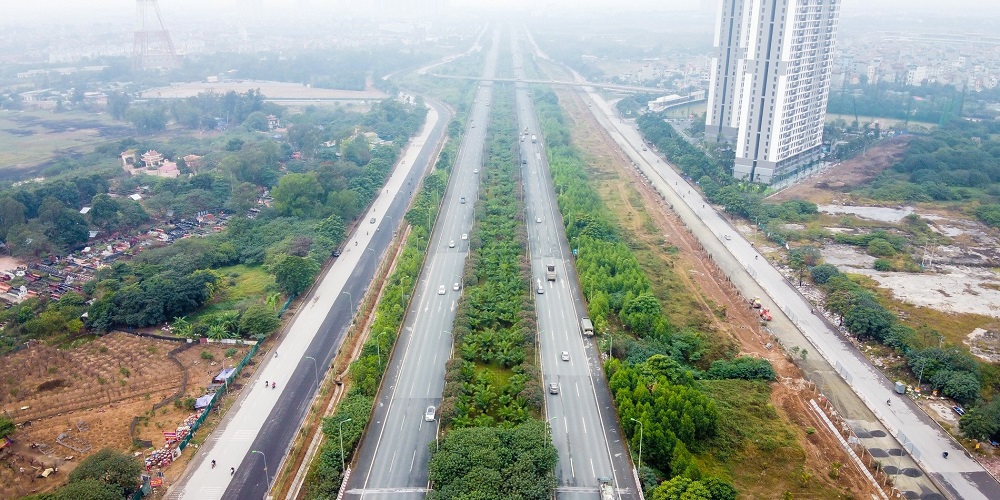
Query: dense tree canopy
[(118, 470), (490, 462)]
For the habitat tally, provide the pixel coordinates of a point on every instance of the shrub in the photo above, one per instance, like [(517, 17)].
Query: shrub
[(823, 272), (879, 247), (743, 367), (882, 265)]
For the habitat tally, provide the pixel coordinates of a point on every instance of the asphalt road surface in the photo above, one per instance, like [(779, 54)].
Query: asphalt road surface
[(393, 458), (584, 426), (257, 432), (923, 439)]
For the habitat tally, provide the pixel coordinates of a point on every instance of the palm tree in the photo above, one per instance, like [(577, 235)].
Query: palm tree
[(272, 300), (182, 326), (217, 332)]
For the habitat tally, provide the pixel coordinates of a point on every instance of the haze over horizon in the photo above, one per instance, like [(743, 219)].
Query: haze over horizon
[(42, 12)]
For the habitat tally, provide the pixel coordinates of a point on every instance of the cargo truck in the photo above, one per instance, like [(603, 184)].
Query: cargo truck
[(534, 138), (550, 272), (607, 489), (586, 327)]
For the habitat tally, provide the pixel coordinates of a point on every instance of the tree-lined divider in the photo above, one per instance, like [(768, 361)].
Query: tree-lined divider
[(652, 387), (494, 445), (325, 475)]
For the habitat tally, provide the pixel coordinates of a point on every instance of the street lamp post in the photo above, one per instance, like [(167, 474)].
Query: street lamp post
[(378, 348), (267, 477), (611, 342), (548, 425), (341, 427), (315, 368), (374, 257), (640, 441), (351, 299)]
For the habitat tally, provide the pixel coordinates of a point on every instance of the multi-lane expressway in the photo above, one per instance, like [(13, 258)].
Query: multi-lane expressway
[(394, 454), (583, 420), (866, 400), (257, 432)]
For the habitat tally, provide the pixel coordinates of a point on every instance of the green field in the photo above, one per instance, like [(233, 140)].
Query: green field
[(28, 138), (886, 123), (240, 284)]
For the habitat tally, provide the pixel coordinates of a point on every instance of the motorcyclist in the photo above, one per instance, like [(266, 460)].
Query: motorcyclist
[(945, 454), (213, 464), (273, 385)]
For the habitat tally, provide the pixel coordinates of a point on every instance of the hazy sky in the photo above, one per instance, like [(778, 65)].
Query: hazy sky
[(80, 11)]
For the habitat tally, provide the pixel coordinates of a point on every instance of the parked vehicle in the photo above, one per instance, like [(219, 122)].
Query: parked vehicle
[(586, 327)]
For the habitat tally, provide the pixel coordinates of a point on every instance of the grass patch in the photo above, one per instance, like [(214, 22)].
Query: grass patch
[(241, 284), (31, 137), (753, 442)]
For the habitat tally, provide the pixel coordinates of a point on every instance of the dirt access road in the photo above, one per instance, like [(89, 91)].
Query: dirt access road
[(703, 281)]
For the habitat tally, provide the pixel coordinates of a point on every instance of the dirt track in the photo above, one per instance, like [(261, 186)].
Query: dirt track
[(831, 185)]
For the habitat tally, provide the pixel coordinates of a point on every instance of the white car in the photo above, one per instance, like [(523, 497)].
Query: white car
[(475, 170), (441, 290), (565, 356), (457, 286), (538, 220), (465, 236), (451, 244), (553, 388), (429, 414)]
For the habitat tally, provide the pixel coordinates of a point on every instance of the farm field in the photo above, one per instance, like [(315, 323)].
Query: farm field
[(70, 403)]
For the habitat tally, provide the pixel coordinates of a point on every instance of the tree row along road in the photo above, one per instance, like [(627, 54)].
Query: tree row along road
[(394, 455), (860, 391), (257, 432), (584, 427)]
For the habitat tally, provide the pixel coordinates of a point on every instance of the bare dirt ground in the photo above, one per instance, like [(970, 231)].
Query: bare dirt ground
[(703, 282), (90, 394), (831, 186)]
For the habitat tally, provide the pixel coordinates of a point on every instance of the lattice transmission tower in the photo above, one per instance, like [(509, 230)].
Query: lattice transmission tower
[(152, 48)]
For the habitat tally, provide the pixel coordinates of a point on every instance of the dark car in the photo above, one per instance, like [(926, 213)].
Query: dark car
[(336, 253)]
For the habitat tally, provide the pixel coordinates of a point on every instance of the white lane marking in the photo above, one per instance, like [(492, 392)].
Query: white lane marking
[(402, 422), (592, 469), (584, 422), (413, 459), (572, 470), (392, 462)]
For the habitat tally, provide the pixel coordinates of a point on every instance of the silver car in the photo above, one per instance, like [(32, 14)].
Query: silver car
[(429, 414)]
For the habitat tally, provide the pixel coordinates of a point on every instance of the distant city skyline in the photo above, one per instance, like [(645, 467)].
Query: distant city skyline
[(76, 12)]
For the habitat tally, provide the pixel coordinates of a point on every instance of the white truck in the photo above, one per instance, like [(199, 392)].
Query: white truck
[(534, 138), (550, 272), (586, 327)]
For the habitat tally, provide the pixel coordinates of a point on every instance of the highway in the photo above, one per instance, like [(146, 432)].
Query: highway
[(583, 420), (257, 431), (958, 475), (394, 454)]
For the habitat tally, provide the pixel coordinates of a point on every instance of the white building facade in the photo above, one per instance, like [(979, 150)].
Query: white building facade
[(770, 83)]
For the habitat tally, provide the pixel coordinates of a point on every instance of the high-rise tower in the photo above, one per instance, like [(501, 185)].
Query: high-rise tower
[(770, 82), (152, 48)]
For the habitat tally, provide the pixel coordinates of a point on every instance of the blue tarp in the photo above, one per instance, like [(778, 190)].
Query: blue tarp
[(224, 374), (203, 401)]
